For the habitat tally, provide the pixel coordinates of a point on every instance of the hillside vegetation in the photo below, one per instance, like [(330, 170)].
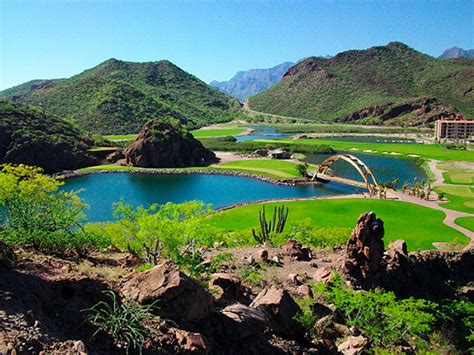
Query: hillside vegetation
[(386, 84), (118, 97), (30, 136)]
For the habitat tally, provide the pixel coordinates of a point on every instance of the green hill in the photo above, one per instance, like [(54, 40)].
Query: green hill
[(392, 78), (118, 97), (30, 136)]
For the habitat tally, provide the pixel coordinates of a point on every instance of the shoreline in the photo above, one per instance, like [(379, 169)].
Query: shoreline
[(180, 171)]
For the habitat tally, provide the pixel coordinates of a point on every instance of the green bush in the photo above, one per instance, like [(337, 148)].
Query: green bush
[(385, 320), (123, 321), (35, 212)]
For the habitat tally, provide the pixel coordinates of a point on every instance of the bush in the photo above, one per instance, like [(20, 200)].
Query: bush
[(123, 321), (35, 212), (378, 315)]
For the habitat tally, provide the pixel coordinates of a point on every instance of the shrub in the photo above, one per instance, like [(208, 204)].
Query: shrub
[(35, 212), (378, 315), (123, 321)]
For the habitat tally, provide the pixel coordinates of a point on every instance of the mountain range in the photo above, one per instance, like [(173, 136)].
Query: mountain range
[(351, 85), (456, 52), (118, 97), (251, 82)]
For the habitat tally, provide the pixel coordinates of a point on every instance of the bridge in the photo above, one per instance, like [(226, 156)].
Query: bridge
[(323, 173)]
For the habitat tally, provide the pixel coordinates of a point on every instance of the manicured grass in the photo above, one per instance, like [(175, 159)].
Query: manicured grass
[(461, 177), (123, 137), (466, 222), (426, 151), (218, 132), (103, 149), (274, 168), (418, 226), (460, 198)]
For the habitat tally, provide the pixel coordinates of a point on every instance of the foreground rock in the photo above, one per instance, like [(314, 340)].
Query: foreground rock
[(280, 309), (166, 145), (177, 296), (7, 256)]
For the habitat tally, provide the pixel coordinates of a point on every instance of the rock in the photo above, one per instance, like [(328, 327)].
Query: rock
[(295, 249), (115, 156), (229, 289), (352, 345), (192, 342), (304, 291), (277, 259), (250, 321), (323, 274), (399, 245), (177, 295), (280, 308), (166, 145), (260, 153), (7, 256), (78, 347), (262, 255), (279, 154), (365, 249)]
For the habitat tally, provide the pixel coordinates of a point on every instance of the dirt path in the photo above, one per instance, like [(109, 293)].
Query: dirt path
[(227, 157), (438, 173)]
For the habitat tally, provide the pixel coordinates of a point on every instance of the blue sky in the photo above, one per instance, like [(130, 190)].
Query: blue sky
[(214, 39)]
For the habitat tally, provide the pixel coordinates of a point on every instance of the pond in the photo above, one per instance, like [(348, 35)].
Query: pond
[(384, 168), (262, 132), (101, 191)]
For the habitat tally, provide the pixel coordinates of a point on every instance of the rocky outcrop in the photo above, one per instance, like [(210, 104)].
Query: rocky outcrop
[(421, 111), (7, 256), (280, 309), (433, 273), (167, 145), (228, 289), (177, 296), (296, 250)]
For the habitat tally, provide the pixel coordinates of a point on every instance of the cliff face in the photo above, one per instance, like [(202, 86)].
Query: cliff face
[(165, 145)]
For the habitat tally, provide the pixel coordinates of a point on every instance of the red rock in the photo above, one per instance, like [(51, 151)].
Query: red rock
[(352, 345), (261, 254), (178, 296), (304, 291), (295, 249), (399, 245), (192, 342), (229, 289)]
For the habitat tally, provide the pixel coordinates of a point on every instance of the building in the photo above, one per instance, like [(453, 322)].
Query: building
[(458, 128)]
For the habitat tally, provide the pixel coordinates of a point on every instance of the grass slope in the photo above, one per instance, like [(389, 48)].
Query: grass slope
[(426, 151), (460, 198), (466, 222), (326, 89), (218, 132), (418, 226), (118, 97)]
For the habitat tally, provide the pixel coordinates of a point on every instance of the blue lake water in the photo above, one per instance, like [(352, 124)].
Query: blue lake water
[(101, 191), (262, 132), (384, 168)]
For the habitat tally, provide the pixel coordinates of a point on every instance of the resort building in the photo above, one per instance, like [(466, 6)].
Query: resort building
[(458, 128)]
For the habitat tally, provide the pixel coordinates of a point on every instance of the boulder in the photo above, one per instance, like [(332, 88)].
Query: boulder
[(352, 345), (229, 289), (7, 256), (190, 342), (280, 308), (279, 154), (167, 145), (261, 255), (248, 321), (399, 245), (177, 296), (365, 249), (260, 153), (116, 156), (323, 274), (295, 249)]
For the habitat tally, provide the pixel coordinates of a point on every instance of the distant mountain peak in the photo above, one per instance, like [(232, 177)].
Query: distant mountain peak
[(456, 52)]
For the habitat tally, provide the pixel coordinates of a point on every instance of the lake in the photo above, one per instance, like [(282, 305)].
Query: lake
[(262, 132), (101, 191)]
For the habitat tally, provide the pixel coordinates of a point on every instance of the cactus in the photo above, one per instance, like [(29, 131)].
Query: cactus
[(275, 225)]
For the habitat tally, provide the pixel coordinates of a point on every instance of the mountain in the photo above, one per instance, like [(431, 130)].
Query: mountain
[(118, 97), (456, 52), (335, 88), (251, 82), (30, 136)]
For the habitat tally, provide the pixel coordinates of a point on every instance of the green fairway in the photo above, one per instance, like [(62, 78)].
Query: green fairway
[(123, 137), (273, 168), (426, 151), (460, 198), (418, 226), (466, 222), (103, 149), (218, 132), (461, 178)]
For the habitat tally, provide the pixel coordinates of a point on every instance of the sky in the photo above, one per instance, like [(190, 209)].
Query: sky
[(45, 39)]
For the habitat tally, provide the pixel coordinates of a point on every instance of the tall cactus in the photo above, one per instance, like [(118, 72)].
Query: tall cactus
[(275, 225)]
